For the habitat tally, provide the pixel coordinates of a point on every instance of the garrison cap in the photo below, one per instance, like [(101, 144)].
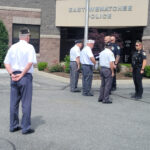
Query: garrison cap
[(108, 44), (78, 41), (24, 31)]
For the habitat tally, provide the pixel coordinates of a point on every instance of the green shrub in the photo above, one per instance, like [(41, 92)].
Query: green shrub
[(147, 72), (3, 43), (56, 68), (67, 64), (127, 65), (128, 74), (118, 68), (42, 65)]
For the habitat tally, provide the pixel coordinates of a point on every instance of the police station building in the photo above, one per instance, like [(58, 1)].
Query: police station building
[(55, 24)]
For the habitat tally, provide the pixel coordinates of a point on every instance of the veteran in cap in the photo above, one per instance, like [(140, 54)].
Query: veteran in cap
[(75, 65)]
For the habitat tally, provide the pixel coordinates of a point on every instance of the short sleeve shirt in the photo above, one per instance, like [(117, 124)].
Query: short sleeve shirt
[(105, 57), (115, 49), (85, 56), (19, 55), (74, 53)]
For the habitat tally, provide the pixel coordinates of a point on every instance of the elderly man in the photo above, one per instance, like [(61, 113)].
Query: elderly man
[(106, 61), (107, 39), (19, 64), (75, 65), (87, 60)]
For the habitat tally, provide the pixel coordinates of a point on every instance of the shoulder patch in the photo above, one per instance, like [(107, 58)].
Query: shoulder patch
[(118, 47), (144, 53), (112, 48)]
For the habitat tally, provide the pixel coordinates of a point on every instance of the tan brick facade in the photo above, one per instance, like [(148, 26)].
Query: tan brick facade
[(49, 50), (7, 14), (49, 45), (146, 44)]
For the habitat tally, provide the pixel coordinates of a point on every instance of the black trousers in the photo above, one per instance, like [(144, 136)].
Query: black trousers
[(137, 78), (114, 84)]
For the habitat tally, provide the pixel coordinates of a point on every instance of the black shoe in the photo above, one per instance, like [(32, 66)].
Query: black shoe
[(113, 89), (30, 131), (133, 96), (138, 97), (76, 90), (100, 100), (90, 94), (16, 129), (106, 102)]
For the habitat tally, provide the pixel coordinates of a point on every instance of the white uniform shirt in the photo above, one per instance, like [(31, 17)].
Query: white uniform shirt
[(85, 55), (74, 53), (19, 55), (105, 57)]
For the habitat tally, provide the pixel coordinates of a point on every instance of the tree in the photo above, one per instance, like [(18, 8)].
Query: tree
[(3, 43)]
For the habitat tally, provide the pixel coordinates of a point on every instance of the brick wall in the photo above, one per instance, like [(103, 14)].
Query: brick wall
[(50, 50), (146, 44), (48, 12), (7, 17)]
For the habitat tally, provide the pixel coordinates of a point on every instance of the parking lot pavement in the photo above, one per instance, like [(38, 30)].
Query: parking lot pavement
[(69, 121)]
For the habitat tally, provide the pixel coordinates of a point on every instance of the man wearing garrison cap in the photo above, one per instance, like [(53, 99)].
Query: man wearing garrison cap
[(87, 60), (19, 64), (75, 65)]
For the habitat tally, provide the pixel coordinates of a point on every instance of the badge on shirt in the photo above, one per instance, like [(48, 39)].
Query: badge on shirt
[(118, 47)]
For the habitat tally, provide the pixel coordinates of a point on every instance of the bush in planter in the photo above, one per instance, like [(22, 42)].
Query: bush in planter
[(56, 68), (67, 64), (128, 74), (147, 72), (3, 43), (42, 65), (125, 67)]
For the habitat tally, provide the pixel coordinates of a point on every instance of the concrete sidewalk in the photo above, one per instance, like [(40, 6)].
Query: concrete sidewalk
[(69, 121)]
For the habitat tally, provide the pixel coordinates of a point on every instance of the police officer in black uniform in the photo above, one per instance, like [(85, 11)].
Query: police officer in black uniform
[(138, 65), (116, 50)]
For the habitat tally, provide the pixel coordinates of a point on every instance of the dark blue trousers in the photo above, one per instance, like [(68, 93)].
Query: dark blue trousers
[(21, 91)]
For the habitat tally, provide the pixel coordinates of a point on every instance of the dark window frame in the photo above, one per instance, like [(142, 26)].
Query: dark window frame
[(36, 44)]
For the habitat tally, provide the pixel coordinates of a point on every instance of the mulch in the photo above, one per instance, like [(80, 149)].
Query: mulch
[(96, 75)]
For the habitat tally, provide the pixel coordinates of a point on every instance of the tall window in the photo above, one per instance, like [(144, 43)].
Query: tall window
[(35, 34)]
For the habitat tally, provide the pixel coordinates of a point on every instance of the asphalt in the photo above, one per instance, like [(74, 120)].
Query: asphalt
[(69, 121)]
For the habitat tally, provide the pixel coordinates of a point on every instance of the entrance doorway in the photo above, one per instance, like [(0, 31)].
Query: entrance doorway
[(127, 39)]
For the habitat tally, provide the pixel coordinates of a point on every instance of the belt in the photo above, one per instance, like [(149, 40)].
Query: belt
[(72, 61), (18, 72), (105, 67), (86, 65)]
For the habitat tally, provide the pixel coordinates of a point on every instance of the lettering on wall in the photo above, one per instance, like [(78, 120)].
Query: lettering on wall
[(102, 12)]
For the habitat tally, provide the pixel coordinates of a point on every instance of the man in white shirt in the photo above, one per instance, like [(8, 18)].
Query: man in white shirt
[(19, 64), (106, 61), (88, 61), (75, 65)]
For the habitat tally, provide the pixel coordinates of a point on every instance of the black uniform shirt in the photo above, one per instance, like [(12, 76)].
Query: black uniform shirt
[(137, 58), (115, 49)]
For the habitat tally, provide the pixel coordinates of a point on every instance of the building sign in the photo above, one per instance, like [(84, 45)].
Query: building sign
[(102, 13)]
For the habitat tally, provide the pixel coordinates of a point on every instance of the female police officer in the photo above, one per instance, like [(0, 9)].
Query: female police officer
[(138, 65)]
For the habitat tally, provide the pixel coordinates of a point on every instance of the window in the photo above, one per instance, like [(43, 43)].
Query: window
[(35, 34)]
